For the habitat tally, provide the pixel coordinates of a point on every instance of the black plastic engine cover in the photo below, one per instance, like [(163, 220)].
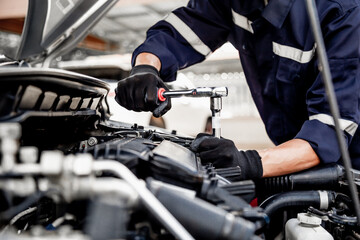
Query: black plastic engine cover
[(51, 104)]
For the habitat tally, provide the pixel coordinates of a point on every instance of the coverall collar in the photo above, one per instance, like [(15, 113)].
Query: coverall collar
[(276, 11)]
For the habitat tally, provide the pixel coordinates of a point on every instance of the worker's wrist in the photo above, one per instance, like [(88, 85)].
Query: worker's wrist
[(250, 164), (263, 153), (141, 69), (148, 59)]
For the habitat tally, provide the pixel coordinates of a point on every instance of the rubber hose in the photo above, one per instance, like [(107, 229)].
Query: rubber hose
[(28, 202), (320, 177), (296, 199), (202, 219)]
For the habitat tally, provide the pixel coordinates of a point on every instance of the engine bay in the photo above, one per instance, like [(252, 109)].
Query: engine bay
[(68, 172)]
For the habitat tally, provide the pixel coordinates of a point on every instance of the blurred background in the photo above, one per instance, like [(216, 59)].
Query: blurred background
[(106, 53)]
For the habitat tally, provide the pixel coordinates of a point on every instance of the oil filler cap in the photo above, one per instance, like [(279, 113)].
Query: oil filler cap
[(305, 218)]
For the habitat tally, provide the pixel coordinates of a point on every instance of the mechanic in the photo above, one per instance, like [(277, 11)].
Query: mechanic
[(277, 52)]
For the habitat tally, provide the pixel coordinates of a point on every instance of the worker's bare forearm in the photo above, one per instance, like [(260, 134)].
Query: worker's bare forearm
[(148, 59), (292, 156)]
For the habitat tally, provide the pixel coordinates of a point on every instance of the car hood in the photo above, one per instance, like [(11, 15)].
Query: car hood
[(54, 27)]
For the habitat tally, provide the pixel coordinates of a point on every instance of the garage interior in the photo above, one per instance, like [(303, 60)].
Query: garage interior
[(67, 171)]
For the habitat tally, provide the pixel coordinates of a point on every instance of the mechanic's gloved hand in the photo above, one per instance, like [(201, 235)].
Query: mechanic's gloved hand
[(223, 153), (138, 92)]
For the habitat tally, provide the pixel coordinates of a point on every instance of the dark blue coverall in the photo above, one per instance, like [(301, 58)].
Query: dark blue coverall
[(277, 52)]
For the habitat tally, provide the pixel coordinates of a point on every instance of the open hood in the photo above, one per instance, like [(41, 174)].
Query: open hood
[(54, 27)]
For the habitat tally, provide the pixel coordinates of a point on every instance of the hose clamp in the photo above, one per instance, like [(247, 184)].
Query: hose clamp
[(324, 199)]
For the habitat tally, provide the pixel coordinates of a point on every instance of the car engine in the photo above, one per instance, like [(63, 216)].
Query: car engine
[(68, 172)]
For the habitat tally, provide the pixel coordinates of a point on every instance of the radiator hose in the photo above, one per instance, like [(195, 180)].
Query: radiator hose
[(202, 219), (322, 177), (281, 201)]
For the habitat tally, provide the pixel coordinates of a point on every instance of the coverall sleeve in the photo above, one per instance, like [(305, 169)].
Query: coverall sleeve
[(341, 31), (187, 35)]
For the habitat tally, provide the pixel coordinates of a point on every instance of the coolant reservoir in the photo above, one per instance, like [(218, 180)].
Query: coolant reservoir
[(306, 227)]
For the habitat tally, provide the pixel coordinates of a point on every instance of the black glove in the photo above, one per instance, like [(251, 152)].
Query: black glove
[(222, 153), (138, 92)]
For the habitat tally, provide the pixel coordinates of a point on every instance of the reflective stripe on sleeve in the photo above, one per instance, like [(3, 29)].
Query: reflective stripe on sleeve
[(242, 21), (293, 53), (345, 125), (188, 34)]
